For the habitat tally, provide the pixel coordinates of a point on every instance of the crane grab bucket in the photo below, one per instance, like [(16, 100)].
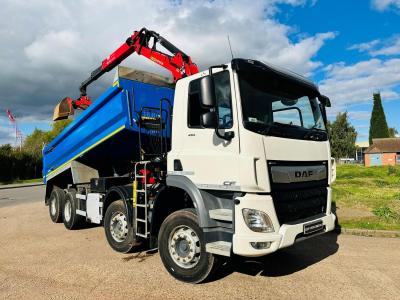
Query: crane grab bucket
[(63, 109)]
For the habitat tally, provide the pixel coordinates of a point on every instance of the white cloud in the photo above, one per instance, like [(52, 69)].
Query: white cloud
[(48, 47), (62, 49), (387, 47), (355, 83), (365, 46), (7, 133), (390, 48), (382, 5), (360, 116), (349, 84)]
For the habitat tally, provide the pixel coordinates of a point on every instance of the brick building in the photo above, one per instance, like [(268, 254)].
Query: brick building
[(383, 152)]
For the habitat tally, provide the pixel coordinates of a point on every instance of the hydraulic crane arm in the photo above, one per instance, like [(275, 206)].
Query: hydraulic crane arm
[(178, 63)]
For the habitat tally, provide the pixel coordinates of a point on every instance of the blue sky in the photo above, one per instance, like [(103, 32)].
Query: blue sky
[(355, 22), (350, 48)]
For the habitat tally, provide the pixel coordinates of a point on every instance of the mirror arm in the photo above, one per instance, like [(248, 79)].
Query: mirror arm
[(227, 136)]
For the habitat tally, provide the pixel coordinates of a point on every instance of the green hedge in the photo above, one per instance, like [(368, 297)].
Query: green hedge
[(16, 165)]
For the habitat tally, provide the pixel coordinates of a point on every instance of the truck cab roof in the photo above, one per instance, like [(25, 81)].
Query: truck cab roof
[(255, 66)]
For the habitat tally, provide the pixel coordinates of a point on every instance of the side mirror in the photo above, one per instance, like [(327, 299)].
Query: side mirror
[(207, 91), (209, 120), (324, 100)]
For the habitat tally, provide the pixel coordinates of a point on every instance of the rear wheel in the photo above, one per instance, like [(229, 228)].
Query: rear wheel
[(118, 229), (182, 248), (56, 203), (70, 218)]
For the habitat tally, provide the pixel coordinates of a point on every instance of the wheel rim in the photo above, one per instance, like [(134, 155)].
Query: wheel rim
[(119, 227), (184, 247), (53, 206), (67, 211)]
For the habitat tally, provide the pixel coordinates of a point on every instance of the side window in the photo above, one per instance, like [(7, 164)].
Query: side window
[(194, 107), (223, 97)]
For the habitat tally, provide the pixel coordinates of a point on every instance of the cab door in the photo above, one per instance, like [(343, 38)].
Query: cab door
[(209, 161)]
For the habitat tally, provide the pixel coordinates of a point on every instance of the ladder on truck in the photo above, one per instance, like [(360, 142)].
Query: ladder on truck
[(140, 200)]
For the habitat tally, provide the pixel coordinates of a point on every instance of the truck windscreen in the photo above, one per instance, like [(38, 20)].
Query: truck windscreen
[(278, 107)]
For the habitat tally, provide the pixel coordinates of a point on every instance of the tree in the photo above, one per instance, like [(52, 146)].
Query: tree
[(393, 132), (378, 125), (6, 150), (34, 142), (15, 164), (342, 136)]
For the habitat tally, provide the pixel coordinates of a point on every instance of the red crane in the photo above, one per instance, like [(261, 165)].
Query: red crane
[(178, 63)]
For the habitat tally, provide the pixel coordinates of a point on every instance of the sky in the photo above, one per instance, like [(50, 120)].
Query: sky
[(351, 49)]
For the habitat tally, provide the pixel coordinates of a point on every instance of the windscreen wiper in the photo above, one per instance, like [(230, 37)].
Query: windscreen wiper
[(314, 127)]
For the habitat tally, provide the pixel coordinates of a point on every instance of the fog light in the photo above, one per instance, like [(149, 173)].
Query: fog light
[(257, 221), (260, 245)]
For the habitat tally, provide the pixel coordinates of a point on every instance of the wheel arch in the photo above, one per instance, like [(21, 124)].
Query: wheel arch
[(168, 200), (123, 193), (61, 181), (185, 184)]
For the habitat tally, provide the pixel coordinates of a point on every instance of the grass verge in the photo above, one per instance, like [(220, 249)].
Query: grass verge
[(368, 197)]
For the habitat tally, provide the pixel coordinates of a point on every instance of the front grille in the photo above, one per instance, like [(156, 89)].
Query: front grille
[(293, 205)]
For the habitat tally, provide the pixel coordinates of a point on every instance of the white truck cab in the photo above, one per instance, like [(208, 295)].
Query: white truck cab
[(268, 151)]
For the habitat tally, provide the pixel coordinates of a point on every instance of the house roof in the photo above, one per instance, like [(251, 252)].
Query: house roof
[(364, 144), (387, 145)]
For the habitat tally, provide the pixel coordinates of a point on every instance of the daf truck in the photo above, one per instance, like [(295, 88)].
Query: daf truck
[(233, 160)]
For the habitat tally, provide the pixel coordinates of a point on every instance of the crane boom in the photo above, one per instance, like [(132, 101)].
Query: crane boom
[(178, 63)]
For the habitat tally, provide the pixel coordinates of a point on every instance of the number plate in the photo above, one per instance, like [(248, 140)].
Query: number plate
[(313, 227)]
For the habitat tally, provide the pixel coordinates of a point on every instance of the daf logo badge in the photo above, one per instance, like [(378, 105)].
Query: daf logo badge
[(303, 174)]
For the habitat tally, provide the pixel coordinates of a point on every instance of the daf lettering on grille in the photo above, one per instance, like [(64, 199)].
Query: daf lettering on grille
[(288, 174), (299, 174)]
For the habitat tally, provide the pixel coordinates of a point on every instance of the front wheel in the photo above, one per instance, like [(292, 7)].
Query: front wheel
[(182, 248)]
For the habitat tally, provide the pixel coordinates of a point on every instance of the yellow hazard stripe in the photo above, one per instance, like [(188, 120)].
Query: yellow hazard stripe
[(116, 83), (87, 149), (134, 192)]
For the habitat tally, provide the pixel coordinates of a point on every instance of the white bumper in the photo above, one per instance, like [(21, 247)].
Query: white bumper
[(283, 236)]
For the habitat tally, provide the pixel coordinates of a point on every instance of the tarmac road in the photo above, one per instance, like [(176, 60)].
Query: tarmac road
[(19, 195), (39, 259)]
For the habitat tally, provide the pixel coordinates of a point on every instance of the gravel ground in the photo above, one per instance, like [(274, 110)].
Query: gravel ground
[(39, 259)]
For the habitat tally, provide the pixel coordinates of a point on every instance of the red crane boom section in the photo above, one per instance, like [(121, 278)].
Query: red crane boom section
[(178, 63)]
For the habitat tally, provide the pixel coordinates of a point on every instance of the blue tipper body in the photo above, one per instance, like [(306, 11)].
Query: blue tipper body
[(107, 131)]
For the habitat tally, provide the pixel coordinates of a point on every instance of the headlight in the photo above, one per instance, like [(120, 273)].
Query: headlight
[(257, 221)]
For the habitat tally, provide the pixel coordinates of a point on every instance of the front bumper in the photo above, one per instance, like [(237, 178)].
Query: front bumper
[(284, 235)]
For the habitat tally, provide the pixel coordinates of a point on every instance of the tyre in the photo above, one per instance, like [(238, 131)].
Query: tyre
[(182, 248), (118, 230), (56, 203), (70, 218)]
